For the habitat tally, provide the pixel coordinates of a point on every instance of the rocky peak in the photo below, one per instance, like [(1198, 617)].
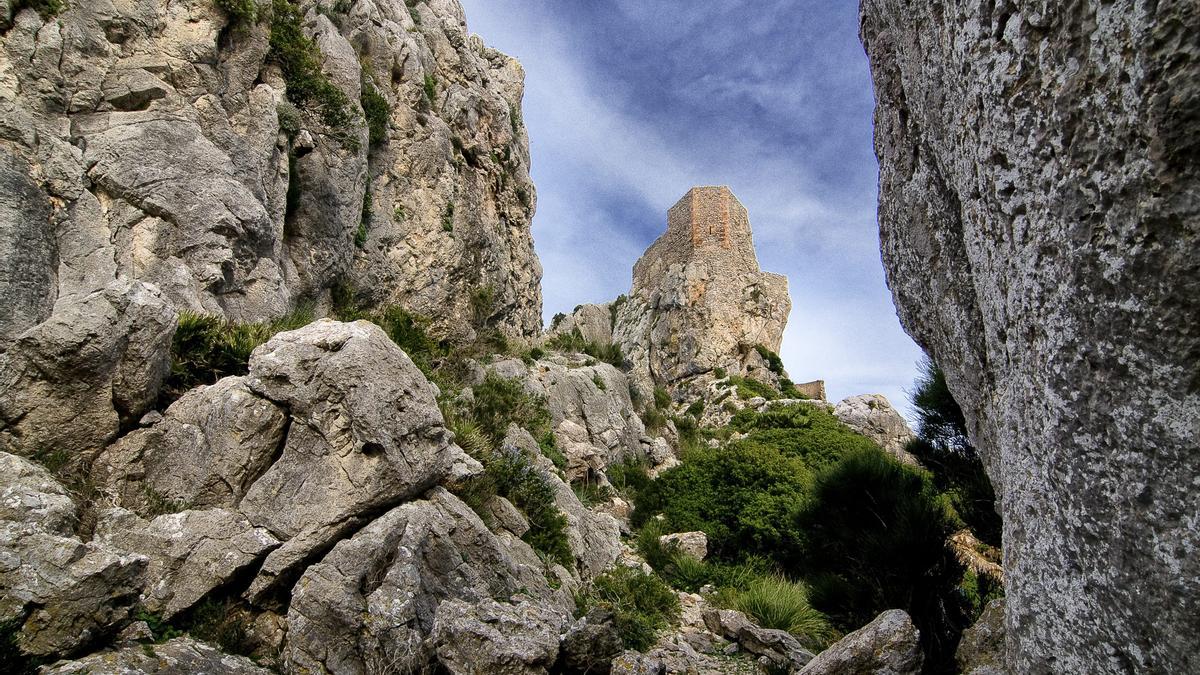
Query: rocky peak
[(699, 301)]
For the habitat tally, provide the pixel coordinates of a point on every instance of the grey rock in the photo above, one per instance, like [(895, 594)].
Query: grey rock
[(28, 254), (886, 646), (694, 544), (365, 433), (981, 649), (191, 553), (62, 593), (778, 648), (591, 643), (206, 451), (70, 382), (506, 516), (180, 655), (873, 416), (699, 301), (491, 637), (594, 323), (372, 601), (1038, 198), (631, 662)]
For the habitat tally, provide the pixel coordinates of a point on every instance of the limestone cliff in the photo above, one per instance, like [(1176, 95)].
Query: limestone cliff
[(1039, 222), (246, 161)]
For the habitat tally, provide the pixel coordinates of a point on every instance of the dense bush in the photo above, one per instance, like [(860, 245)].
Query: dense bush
[(46, 8), (500, 401), (876, 534), (748, 388), (744, 497), (376, 109), (243, 12), (808, 432), (642, 605), (629, 476)]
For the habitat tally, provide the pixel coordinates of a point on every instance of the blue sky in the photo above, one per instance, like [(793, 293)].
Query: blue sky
[(631, 102)]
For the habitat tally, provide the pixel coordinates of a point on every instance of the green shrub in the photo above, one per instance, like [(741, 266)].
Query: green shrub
[(222, 623), (876, 539), (289, 119), (531, 491), (614, 308), (300, 60), (548, 444), (557, 319), (573, 342), (744, 497), (748, 388), (243, 12), (810, 433), (774, 363), (429, 88), (377, 111), (653, 420), (662, 399), (775, 602), (500, 401), (628, 476), (207, 348), (642, 605), (719, 373)]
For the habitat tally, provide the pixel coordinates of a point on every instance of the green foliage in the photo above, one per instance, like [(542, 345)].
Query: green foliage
[(429, 88), (748, 388), (642, 605), (629, 476), (364, 222), (158, 504), (774, 363), (977, 592), (944, 448), (548, 444), (696, 409), (596, 380), (776, 602), (876, 532), (662, 399), (289, 119), (412, 11), (207, 348), (300, 60), (46, 8), (614, 308), (591, 494), (514, 119), (810, 433), (448, 217), (159, 628), (557, 319), (500, 401), (223, 624), (744, 497), (574, 343), (719, 373), (243, 12), (531, 491), (653, 420), (377, 111)]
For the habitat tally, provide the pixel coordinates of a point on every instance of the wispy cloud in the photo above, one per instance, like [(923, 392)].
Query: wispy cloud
[(629, 104)]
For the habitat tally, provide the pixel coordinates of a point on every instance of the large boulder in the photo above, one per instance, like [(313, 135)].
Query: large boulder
[(873, 416), (191, 553), (69, 383), (494, 637), (1039, 192), (62, 593), (776, 648), (889, 645), (373, 599)]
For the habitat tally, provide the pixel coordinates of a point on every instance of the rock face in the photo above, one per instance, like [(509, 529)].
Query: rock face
[(181, 655), (698, 300), (981, 649), (61, 592), (1039, 200), (161, 142)]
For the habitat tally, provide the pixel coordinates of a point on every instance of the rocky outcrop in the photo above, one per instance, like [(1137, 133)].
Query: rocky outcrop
[(494, 637), (62, 593), (777, 649), (981, 649), (71, 382), (699, 301), (886, 646), (1039, 191), (873, 416), (181, 146), (181, 655), (694, 544), (373, 600)]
